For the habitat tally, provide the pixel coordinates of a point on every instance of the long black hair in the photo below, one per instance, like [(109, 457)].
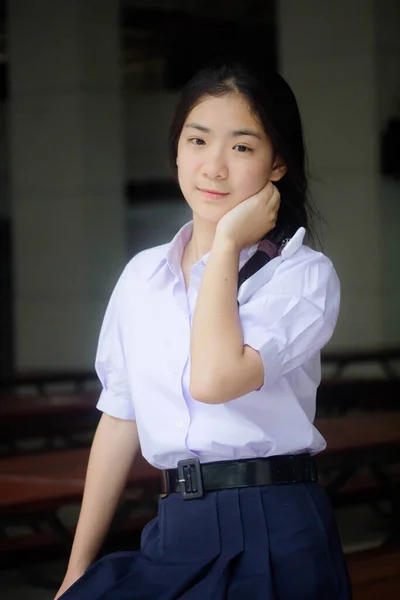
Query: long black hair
[(272, 101)]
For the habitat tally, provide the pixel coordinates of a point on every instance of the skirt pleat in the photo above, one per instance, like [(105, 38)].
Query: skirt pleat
[(260, 543)]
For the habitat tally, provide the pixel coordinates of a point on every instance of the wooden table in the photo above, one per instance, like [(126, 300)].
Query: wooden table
[(355, 432), (382, 356), (19, 493), (362, 461), (41, 483), (64, 470), (34, 487), (16, 408), (40, 380)]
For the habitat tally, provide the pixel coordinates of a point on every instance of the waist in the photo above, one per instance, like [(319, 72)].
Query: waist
[(193, 479)]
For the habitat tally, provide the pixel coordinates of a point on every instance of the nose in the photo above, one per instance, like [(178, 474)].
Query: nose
[(215, 167)]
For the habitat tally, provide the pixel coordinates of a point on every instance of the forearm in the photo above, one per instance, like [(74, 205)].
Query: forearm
[(217, 339), (114, 447)]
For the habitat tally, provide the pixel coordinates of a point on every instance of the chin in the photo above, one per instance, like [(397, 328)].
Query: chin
[(212, 214)]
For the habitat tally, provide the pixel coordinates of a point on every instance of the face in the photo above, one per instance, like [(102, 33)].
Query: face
[(224, 156)]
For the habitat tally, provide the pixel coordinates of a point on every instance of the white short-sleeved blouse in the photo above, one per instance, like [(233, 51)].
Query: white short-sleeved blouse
[(288, 312)]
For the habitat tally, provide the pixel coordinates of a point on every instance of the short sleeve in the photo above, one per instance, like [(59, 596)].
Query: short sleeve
[(293, 317), (110, 364)]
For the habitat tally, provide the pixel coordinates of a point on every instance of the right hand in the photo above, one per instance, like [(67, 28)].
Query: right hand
[(249, 221), (69, 579)]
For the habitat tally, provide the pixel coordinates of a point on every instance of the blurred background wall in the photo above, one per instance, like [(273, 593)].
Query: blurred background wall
[(88, 89)]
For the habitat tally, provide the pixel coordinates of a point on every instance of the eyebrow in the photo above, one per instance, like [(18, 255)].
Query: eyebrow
[(236, 133)]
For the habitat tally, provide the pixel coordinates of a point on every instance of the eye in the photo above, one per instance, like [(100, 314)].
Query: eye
[(197, 141), (243, 149)]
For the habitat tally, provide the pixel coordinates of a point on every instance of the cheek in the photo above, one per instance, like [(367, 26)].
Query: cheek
[(184, 176), (188, 173), (185, 162), (251, 179)]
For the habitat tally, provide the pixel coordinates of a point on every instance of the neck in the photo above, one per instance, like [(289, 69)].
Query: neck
[(202, 238)]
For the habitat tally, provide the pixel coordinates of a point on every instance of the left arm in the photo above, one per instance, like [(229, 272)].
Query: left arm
[(222, 368)]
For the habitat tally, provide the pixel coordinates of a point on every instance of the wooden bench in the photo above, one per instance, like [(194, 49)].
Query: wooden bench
[(360, 431), (41, 381), (47, 417), (34, 487), (361, 464), (340, 360), (384, 357), (362, 461), (67, 466), (375, 573), (342, 389), (339, 396)]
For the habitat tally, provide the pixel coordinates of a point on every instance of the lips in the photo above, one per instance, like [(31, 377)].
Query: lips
[(213, 193)]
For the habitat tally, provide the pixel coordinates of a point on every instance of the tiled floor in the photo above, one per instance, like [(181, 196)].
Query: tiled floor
[(359, 528)]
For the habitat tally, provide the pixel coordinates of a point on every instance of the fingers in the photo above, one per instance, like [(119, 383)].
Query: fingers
[(269, 197), (274, 204), (274, 197)]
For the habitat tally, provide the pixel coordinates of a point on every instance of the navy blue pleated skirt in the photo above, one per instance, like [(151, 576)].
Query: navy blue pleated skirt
[(259, 543)]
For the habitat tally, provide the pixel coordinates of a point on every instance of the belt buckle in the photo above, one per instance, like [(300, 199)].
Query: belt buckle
[(190, 479)]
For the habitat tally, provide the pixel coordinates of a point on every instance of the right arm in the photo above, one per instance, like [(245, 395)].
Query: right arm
[(114, 448)]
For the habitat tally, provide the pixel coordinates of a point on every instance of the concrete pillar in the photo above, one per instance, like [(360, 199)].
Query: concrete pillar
[(66, 176), (387, 21), (328, 54)]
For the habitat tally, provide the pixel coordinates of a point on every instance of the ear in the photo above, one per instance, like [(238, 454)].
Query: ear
[(279, 169)]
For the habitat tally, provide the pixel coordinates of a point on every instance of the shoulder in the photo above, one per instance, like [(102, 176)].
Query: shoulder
[(306, 258), (307, 273), (136, 272), (142, 266)]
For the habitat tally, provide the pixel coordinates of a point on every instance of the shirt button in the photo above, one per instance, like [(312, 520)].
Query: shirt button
[(179, 423)]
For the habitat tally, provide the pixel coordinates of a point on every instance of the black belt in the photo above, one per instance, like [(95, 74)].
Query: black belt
[(192, 479)]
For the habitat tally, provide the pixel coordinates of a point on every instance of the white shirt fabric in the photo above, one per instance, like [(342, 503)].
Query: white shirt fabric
[(288, 312)]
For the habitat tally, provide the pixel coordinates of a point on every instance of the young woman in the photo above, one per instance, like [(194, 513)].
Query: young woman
[(216, 381)]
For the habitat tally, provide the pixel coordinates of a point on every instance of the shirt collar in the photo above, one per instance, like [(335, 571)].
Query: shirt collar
[(293, 244), (174, 250)]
